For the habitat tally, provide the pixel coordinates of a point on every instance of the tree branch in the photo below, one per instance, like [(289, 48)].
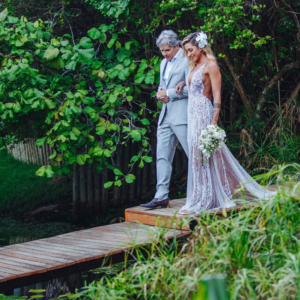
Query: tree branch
[(282, 71), (238, 84)]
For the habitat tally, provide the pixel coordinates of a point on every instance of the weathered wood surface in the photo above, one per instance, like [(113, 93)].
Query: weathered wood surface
[(46, 255), (169, 217)]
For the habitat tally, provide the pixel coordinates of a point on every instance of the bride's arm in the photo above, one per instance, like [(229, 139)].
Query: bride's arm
[(179, 87), (216, 82)]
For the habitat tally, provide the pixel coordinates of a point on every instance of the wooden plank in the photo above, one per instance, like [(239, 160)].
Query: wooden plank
[(26, 253), (66, 250), (7, 276), (153, 220), (50, 252), (85, 247), (15, 260), (24, 271)]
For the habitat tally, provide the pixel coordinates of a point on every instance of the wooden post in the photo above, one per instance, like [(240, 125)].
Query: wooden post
[(75, 192), (117, 189), (82, 191), (132, 188), (104, 193), (90, 190), (125, 186), (97, 185)]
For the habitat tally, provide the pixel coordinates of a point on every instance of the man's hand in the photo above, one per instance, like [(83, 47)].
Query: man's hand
[(161, 95)]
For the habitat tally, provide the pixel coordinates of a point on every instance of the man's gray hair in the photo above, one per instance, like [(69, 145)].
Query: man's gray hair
[(168, 37)]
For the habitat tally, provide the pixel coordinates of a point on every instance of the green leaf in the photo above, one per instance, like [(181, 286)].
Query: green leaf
[(150, 77), (3, 15), (58, 63), (145, 121), (130, 178), (118, 172), (86, 43), (107, 153), (112, 98), (45, 171), (100, 128), (80, 159), (36, 291), (94, 33), (141, 165), (76, 131), (73, 136), (108, 184), (134, 158), (71, 65), (112, 41), (98, 151), (135, 135), (41, 142), (118, 183), (102, 38), (52, 155), (86, 54), (139, 78), (147, 159), (51, 53), (50, 104)]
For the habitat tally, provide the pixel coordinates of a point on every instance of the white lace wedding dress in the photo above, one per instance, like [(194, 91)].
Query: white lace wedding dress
[(212, 184)]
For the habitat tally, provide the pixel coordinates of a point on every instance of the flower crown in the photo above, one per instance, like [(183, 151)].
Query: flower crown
[(201, 38)]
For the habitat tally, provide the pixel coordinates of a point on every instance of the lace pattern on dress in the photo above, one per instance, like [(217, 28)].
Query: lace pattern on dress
[(212, 184)]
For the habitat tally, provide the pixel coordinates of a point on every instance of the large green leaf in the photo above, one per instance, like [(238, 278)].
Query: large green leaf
[(139, 78), (86, 54), (51, 53), (86, 43), (80, 159), (150, 76), (3, 15), (102, 38), (94, 33), (130, 178)]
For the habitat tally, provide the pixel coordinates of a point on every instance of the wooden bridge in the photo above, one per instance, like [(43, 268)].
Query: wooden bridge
[(40, 260)]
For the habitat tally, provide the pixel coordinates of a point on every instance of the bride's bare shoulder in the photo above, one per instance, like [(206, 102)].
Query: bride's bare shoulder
[(212, 67)]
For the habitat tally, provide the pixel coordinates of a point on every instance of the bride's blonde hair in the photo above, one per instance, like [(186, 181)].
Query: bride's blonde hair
[(191, 38)]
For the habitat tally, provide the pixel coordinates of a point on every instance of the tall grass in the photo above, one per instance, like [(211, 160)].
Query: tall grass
[(256, 249)]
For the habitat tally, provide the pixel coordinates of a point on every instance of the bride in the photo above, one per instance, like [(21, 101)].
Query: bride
[(210, 184)]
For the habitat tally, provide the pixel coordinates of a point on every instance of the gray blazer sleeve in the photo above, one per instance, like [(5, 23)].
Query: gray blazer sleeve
[(173, 96)]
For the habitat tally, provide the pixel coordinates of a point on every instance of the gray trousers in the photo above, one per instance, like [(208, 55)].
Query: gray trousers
[(168, 136)]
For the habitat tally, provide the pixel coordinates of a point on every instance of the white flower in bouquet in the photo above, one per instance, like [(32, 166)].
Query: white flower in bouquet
[(211, 140)]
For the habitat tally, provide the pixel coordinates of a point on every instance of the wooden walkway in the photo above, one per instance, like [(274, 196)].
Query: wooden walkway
[(40, 260)]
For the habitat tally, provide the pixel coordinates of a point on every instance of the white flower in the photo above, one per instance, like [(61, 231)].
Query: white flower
[(202, 39)]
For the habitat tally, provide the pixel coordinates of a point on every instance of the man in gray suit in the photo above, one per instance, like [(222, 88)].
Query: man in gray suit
[(172, 123)]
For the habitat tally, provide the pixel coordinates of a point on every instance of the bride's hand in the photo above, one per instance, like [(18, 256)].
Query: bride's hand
[(179, 87), (214, 122)]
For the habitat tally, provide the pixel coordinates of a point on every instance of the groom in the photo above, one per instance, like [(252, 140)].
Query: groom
[(172, 123)]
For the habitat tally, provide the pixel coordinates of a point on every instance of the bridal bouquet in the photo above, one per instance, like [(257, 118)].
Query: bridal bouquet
[(210, 140)]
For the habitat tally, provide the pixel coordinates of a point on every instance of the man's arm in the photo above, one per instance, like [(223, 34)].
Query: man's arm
[(184, 92)]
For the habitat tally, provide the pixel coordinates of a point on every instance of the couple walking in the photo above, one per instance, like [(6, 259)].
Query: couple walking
[(189, 78)]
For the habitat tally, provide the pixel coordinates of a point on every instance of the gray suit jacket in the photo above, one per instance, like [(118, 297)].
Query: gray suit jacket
[(177, 106)]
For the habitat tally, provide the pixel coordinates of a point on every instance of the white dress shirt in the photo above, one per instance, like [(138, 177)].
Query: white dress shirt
[(169, 66)]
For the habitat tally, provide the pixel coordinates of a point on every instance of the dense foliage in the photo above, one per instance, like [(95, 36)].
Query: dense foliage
[(257, 249), (79, 75)]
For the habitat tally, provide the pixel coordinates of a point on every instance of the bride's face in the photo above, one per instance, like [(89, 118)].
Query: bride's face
[(193, 52)]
